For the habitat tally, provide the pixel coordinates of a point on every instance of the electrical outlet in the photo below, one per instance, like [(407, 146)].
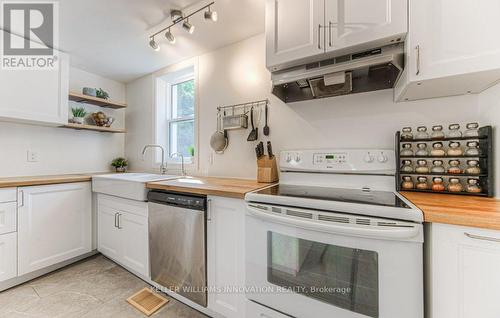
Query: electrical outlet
[(32, 156)]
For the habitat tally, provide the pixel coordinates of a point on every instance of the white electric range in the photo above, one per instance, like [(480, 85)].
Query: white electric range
[(334, 238)]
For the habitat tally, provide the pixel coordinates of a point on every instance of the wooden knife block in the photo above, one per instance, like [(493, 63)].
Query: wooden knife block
[(267, 170)]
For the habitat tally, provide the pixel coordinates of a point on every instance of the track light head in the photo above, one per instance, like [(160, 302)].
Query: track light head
[(188, 26), (170, 37), (211, 15), (154, 45)]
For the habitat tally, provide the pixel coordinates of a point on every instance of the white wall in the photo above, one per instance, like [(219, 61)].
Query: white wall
[(63, 150), (237, 73), (489, 105)]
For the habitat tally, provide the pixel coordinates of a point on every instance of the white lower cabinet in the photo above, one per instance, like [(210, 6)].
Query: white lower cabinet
[(463, 272), (123, 232), (8, 256), (54, 224), (226, 256)]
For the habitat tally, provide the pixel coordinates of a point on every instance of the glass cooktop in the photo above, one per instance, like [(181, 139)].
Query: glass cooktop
[(380, 198)]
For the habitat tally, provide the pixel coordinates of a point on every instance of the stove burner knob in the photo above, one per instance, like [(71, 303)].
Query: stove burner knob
[(382, 158), (369, 158), (288, 157), (297, 158)]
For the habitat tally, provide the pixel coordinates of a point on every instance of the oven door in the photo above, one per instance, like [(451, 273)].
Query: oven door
[(308, 263)]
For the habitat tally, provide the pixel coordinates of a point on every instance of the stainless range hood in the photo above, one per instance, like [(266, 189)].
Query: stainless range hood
[(348, 74)]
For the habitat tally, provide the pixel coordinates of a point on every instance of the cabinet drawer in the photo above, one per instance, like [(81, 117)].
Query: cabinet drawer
[(8, 219), (8, 256), (123, 205), (8, 195), (254, 310)]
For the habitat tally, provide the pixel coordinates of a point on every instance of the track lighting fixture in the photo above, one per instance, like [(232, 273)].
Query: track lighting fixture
[(154, 45), (188, 26), (211, 15), (170, 37), (178, 17)]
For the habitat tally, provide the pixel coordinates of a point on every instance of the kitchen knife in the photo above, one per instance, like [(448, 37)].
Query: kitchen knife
[(270, 149)]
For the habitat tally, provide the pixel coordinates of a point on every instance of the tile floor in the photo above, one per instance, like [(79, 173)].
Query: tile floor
[(94, 287)]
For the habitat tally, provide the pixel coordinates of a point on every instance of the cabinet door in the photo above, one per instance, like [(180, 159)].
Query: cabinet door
[(294, 31), (108, 238), (135, 242), (360, 22), (54, 224), (465, 278), (8, 256), (226, 259), (8, 217), (35, 95), (454, 39)]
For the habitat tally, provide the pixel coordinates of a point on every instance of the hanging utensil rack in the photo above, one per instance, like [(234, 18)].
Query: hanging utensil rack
[(243, 108)]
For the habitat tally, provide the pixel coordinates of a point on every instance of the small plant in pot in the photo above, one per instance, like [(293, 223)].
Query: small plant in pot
[(100, 93), (120, 164), (79, 114)]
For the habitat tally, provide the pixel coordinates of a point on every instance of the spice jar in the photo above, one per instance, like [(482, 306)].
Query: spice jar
[(407, 166), (437, 184), (406, 151), (473, 186), (422, 166), (422, 150), (437, 150), (407, 183), (455, 185), (422, 133), (437, 132), (406, 134), (437, 166), (472, 167), (455, 149), (454, 131), (472, 148), (422, 183), (472, 130), (454, 167)]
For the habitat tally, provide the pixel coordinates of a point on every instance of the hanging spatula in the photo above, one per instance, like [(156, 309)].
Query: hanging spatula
[(254, 132)]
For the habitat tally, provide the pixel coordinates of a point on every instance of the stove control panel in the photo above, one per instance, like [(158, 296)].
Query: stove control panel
[(371, 161)]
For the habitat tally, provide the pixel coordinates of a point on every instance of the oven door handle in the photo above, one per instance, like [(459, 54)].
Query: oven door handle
[(383, 232)]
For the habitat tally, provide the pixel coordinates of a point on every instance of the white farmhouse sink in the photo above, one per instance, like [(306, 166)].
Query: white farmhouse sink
[(127, 185)]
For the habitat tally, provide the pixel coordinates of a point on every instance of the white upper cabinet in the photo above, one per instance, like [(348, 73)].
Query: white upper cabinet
[(300, 31), (294, 30), (364, 23), (451, 49), (35, 96)]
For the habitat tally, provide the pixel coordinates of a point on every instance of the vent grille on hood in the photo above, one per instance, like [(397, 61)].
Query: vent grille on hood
[(360, 72)]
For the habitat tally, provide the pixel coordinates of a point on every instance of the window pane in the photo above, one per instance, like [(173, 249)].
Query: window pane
[(341, 276), (182, 137), (183, 99)]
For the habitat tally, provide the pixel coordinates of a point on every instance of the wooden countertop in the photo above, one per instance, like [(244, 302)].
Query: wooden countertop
[(41, 180), (457, 209), (226, 187)]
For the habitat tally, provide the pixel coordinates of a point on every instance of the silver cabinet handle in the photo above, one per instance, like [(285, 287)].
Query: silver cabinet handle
[(418, 59), (209, 210), (482, 238), (330, 33), (116, 219), (319, 36), (120, 221), (20, 199)]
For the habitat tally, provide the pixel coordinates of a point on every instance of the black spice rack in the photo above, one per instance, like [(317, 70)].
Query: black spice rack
[(485, 159)]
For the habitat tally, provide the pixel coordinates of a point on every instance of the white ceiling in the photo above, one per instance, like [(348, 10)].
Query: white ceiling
[(110, 37)]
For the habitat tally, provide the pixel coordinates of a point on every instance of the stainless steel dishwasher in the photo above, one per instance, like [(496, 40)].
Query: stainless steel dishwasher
[(177, 243)]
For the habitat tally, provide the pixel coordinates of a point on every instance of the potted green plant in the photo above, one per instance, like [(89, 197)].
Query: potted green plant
[(120, 164), (78, 114), (100, 93)]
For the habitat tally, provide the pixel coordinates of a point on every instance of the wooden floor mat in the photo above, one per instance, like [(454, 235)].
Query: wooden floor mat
[(147, 301)]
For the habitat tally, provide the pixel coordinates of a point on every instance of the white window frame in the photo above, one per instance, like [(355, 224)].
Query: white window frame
[(162, 82), (170, 120)]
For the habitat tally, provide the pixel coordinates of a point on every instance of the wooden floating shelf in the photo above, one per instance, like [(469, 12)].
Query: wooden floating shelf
[(94, 128), (77, 97)]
